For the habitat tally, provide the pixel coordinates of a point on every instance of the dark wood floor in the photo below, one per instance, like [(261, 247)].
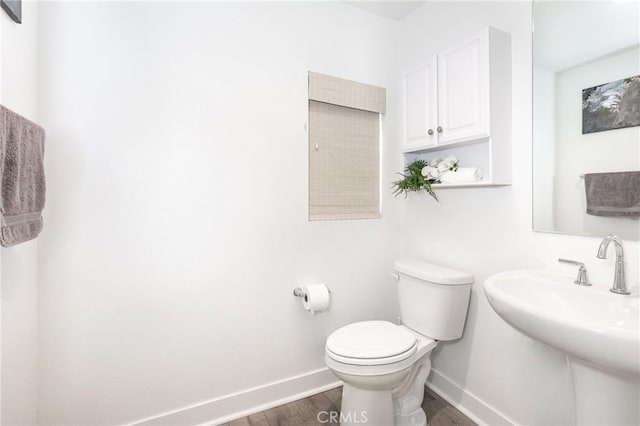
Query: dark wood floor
[(304, 412)]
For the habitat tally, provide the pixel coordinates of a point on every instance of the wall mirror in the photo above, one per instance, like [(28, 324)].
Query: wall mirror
[(585, 57)]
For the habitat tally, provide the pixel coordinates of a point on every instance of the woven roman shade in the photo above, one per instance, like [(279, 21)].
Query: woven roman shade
[(346, 93), (344, 148)]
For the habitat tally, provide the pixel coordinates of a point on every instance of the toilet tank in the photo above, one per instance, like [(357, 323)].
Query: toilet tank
[(433, 299)]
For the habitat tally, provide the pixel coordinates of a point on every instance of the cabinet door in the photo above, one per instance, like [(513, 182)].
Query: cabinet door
[(463, 91), (421, 106)]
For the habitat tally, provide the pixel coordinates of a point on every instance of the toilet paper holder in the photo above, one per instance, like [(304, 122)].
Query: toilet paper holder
[(297, 292)]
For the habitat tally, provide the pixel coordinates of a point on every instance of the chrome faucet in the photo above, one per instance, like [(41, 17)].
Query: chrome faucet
[(582, 271), (619, 281)]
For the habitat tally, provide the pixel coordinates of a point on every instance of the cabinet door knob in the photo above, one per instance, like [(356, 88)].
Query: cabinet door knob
[(430, 132), (439, 129)]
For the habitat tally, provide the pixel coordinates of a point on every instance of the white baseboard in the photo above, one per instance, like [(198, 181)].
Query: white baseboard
[(469, 404), (260, 398), (246, 402)]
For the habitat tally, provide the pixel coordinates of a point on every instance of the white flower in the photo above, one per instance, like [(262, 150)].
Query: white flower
[(435, 161), (443, 166), (449, 163), (430, 172)]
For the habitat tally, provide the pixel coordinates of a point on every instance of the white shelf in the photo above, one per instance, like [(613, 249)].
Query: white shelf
[(433, 148), (466, 185)]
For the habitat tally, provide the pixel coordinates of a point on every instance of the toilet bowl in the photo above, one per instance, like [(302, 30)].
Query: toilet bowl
[(384, 366), (377, 361)]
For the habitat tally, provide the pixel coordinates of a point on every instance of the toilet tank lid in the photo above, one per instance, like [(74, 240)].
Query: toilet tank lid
[(432, 273)]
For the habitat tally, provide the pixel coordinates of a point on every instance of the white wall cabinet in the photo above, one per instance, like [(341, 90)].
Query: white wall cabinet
[(422, 109), (461, 97)]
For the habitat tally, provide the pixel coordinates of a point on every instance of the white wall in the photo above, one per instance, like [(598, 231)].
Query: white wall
[(19, 310), (488, 230), (176, 221), (176, 217), (577, 154)]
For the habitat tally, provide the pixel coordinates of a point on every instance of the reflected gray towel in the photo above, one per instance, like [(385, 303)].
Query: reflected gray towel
[(22, 182), (613, 194)]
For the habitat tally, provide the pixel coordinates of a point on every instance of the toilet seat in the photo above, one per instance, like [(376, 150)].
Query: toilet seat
[(369, 343)]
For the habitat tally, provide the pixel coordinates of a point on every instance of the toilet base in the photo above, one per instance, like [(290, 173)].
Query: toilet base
[(417, 418), (366, 407), (376, 406), (408, 397)]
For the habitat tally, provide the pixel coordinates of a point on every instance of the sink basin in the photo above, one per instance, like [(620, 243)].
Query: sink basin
[(592, 324), (598, 330)]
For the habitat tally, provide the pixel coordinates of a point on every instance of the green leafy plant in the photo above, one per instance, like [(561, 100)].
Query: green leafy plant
[(413, 180)]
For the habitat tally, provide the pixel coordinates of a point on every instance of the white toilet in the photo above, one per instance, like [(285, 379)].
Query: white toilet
[(384, 366)]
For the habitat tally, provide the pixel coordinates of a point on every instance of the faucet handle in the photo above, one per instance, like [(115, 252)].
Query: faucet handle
[(572, 262), (582, 271)]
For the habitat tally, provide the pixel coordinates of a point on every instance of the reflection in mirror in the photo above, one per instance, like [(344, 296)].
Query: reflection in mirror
[(586, 117)]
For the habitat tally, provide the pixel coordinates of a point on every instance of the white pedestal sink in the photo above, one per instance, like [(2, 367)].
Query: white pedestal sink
[(598, 330)]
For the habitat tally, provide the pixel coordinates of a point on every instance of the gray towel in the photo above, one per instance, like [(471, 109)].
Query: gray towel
[(613, 194), (22, 182)]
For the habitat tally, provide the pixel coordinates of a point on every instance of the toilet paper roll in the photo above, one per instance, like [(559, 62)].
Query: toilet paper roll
[(316, 298)]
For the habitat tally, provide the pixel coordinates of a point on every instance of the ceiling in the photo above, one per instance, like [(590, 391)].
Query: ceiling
[(571, 33), (567, 33), (397, 10)]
